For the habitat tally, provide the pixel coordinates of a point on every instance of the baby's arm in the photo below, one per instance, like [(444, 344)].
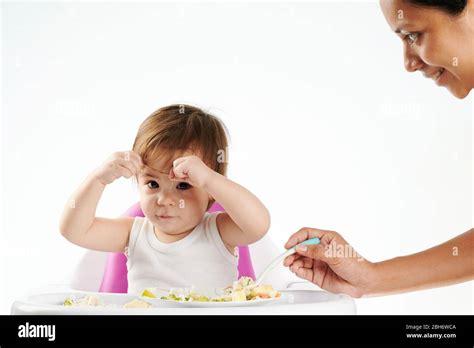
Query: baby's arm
[(246, 219), (78, 222)]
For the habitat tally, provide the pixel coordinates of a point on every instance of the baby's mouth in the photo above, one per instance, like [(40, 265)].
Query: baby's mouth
[(165, 217)]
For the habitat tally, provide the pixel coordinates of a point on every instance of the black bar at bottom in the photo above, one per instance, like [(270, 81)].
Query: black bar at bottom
[(308, 331)]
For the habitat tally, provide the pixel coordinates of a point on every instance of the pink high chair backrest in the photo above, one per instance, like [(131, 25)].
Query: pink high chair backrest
[(115, 274)]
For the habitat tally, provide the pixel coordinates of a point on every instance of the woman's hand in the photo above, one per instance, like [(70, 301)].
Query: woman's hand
[(120, 164), (190, 169), (332, 265)]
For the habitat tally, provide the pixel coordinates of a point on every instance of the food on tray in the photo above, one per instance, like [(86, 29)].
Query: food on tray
[(147, 293), (242, 290), (95, 301), (136, 304), (88, 300)]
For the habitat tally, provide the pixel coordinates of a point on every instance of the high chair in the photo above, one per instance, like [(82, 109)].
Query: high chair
[(107, 272)]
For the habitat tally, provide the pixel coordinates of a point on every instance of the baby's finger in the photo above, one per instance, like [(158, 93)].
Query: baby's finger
[(125, 171), (178, 161), (171, 175), (180, 171), (129, 165), (137, 157), (134, 158), (139, 167)]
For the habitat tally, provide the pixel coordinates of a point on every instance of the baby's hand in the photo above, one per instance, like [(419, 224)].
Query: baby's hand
[(190, 169), (125, 164)]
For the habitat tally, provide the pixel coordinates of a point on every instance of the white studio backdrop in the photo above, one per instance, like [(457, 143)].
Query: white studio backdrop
[(327, 127)]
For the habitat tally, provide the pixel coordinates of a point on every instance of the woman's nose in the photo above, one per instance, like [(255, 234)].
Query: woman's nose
[(412, 61)]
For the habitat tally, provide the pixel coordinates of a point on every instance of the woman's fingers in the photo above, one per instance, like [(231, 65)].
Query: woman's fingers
[(310, 269), (304, 234), (296, 266), (290, 259), (320, 270), (325, 265), (303, 262), (316, 252), (305, 273), (321, 251)]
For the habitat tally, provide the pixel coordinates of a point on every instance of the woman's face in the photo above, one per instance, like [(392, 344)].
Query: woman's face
[(437, 44)]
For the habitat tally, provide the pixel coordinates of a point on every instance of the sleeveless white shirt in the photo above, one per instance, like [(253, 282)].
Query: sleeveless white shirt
[(200, 259)]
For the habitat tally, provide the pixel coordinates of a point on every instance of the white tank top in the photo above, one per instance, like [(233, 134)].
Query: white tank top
[(200, 259)]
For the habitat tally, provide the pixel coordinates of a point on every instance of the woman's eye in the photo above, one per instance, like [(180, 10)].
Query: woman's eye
[(152, 184), (183, 186), (411, 37)]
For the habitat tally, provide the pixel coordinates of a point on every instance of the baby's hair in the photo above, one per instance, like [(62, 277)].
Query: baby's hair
[(177, 128)]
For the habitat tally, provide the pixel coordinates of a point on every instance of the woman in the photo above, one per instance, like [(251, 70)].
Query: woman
[(438, 41)]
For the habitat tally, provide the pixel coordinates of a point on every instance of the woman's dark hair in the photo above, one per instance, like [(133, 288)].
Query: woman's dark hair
[(452, 7)]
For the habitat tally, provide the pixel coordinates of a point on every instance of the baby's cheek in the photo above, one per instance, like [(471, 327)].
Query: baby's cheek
[(146, 203), (189, 206), (195, 198)]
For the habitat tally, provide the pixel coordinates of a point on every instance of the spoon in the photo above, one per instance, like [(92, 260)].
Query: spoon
[(278, 259)]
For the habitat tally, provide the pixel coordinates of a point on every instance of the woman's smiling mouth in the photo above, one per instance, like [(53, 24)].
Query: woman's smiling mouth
[(436, 76)]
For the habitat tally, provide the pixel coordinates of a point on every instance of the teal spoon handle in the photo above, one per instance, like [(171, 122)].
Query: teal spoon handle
[(277, 260)]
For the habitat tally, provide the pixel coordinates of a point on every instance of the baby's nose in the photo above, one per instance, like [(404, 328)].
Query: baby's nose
[(165, 198)]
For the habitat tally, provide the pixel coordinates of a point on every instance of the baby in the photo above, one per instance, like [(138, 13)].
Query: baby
[(179, 162)]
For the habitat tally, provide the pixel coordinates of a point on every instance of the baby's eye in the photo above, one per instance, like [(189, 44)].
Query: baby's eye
[(183, 186), (154, 184), (411, 37)]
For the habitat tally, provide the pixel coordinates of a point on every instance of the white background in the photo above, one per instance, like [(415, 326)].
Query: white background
[(326, 126)]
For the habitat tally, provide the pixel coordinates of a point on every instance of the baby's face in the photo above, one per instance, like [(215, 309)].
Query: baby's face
[(173, 207)]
